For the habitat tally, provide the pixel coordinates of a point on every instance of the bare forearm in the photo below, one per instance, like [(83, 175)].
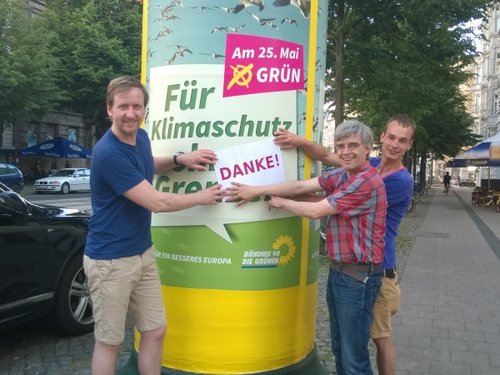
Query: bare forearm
[(245, 193), (146, 196), (317, 152), (297, 208), (170, 202), (163, 164), (198, 160), (306, 209), (288, 188)]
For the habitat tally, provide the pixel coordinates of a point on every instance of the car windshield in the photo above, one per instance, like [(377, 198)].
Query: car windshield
[(63, 173)]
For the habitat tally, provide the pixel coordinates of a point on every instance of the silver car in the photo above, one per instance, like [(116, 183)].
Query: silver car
[(64, 181)]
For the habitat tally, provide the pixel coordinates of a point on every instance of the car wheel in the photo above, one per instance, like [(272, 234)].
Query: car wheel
[(65, 188), (73, 308)]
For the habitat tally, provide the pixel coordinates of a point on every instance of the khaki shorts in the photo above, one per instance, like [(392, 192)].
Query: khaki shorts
[(386, 305), (119, 284)]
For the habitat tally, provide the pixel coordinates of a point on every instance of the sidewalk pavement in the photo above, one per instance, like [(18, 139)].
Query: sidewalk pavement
[(449, 322)]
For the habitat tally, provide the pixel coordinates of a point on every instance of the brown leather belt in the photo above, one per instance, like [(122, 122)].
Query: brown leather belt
[(358, 271)]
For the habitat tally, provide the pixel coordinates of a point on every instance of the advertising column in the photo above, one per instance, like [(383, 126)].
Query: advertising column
[(239, 282)]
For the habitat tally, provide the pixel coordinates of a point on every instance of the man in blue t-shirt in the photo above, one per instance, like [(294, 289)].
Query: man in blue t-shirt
[(119, 256), (396, 139)]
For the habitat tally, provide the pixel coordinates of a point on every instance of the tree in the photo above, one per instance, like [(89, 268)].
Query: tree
[(28, 86), (406, 57), (97, 40)]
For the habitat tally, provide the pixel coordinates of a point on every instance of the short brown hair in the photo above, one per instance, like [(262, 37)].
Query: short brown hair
[(124, 84), (404, 120)]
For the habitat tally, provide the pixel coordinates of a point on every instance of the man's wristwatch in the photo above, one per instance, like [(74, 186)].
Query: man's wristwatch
[(175, 157)]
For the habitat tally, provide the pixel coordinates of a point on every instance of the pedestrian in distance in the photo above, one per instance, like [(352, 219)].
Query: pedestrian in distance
[(396, 139), (355, 203), (119, 255), (446, 182), (36, 171)]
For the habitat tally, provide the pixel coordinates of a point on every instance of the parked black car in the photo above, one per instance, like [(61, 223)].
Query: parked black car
[(41, 271)]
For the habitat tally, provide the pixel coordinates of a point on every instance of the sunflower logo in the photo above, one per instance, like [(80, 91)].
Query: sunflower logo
[(288, 241)]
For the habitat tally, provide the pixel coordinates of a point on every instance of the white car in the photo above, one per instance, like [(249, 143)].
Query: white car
[(64, 180)]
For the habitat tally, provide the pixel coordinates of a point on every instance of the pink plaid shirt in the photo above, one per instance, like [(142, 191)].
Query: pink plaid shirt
[(355, 234)]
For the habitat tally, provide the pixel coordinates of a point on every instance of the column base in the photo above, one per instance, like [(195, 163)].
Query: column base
[(308, 366)]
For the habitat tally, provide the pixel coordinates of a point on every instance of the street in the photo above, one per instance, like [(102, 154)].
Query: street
[(80, 201)]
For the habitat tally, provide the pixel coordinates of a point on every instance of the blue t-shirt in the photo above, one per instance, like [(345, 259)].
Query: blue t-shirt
[(119, 227), (399, 190)]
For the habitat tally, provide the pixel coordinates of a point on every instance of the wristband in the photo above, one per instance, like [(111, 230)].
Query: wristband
[(175, 157)]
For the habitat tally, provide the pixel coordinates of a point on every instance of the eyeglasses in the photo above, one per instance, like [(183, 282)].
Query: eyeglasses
[(349, 146)]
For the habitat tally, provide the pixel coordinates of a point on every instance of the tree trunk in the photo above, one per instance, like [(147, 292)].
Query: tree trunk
[(423, 168), (339, 65)]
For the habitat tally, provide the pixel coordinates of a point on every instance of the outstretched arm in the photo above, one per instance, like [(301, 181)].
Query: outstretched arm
[(286, 139), (198, 160), (310, 210), (145, 195), (245, 193)]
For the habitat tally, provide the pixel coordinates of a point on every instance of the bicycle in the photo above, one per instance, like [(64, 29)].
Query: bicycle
[(413, 205), (424, 190), (416, 193), (420, 190)]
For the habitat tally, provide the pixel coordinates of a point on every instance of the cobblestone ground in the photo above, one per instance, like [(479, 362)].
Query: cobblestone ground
[(36, 349), (406, 238)]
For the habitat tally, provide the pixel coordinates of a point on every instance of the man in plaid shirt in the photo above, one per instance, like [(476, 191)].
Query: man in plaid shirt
[(355, 203), (395, 140)]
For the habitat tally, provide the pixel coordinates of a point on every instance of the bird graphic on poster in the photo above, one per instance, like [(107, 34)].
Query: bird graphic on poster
[(290, 20), (261, 21), (201, 7), (236, 29), (171, 17), (179, 47), (225, 9), (164, 32), (303, 5), (247, 3), (213, 54), (165, 11), (182, 51), (219, 28), (151, 54), (172, 59)]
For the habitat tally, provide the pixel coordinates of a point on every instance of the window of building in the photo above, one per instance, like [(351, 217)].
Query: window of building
[(73, 135), (476, 103), (496, 102)]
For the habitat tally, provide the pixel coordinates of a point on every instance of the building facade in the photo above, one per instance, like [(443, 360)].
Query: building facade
[(15, 137), (485, 90)]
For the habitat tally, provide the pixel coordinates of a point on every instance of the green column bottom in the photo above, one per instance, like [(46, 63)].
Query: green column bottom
[(310, 365)]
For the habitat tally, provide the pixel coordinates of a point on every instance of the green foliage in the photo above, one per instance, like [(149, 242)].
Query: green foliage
[(28, 86), (405, 57), (97, 40)]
